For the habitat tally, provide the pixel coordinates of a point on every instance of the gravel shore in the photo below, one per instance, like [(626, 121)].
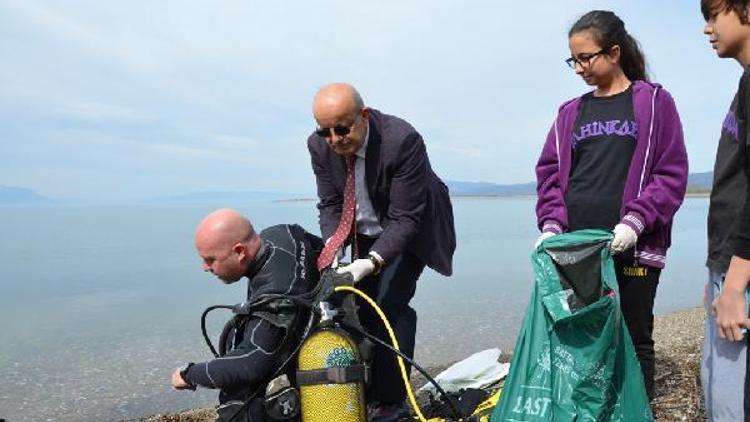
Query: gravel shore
[(678, 338)]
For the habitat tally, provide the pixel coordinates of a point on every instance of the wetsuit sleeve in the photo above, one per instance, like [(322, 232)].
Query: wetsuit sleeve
[(664, 188), (408, 195), (551, 213), (330, 199), (248, 364), (742, 238)]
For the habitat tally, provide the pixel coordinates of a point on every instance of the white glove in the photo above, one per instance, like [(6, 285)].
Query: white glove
[(359, 269), (542, 237), (625, 238)]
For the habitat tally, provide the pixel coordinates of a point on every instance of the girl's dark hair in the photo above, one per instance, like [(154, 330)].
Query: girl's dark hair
[(710, 7), (609, 30)]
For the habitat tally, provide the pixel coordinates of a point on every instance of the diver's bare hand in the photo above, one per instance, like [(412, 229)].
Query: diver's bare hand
[(178, 383)]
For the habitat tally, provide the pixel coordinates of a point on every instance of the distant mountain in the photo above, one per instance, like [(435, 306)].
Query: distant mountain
[(457, 188), (223, 196), (11, 195), (697, 183), (700, 182)]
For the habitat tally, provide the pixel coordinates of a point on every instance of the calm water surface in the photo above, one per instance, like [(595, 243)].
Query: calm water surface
[(98, 305)]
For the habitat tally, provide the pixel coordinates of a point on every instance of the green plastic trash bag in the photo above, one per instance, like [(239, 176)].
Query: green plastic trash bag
[(574, 359)]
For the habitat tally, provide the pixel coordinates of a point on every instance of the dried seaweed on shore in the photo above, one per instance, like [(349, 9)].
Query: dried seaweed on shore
[(198, 415), (678, 338)]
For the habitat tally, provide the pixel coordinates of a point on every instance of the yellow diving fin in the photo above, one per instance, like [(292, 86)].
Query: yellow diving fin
[(481, 414)]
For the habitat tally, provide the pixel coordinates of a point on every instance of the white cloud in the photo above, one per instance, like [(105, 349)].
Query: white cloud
[(99, 111), (234, 141)]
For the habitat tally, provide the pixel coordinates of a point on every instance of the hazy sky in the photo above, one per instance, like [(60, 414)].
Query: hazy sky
[(134, 99)]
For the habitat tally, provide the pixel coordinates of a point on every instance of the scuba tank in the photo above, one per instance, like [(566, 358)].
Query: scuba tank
[(332, 375), (331, 369), (331, 353)]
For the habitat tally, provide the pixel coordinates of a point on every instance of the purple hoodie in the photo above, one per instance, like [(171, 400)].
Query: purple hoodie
[(656, 180)]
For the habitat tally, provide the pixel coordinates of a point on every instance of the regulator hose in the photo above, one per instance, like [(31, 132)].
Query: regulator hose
[(424, 372), (399, 355), (203, 325)]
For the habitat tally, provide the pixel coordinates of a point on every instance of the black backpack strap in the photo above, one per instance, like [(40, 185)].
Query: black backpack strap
[(334, 375)]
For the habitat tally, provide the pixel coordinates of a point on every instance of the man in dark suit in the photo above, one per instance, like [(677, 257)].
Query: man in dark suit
[(377, 192)]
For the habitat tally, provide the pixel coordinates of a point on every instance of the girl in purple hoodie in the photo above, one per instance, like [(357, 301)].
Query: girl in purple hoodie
[(615, 159)]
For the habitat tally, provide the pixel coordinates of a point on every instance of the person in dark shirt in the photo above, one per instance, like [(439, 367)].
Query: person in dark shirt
[(724, 364), (615, 159), (279, 260)]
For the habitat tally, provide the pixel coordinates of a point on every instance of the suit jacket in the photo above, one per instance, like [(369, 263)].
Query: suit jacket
[(412, 203)]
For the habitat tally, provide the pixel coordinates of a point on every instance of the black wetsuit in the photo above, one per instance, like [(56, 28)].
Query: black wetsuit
[(286, 264)]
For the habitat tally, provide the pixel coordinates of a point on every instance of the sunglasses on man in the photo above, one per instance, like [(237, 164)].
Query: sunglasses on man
[(325, 132), (339, 130)]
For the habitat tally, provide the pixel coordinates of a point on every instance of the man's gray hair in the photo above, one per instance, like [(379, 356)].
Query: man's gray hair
[(358, 103)]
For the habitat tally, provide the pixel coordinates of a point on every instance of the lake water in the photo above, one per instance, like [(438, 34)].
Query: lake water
[(99, 304)]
